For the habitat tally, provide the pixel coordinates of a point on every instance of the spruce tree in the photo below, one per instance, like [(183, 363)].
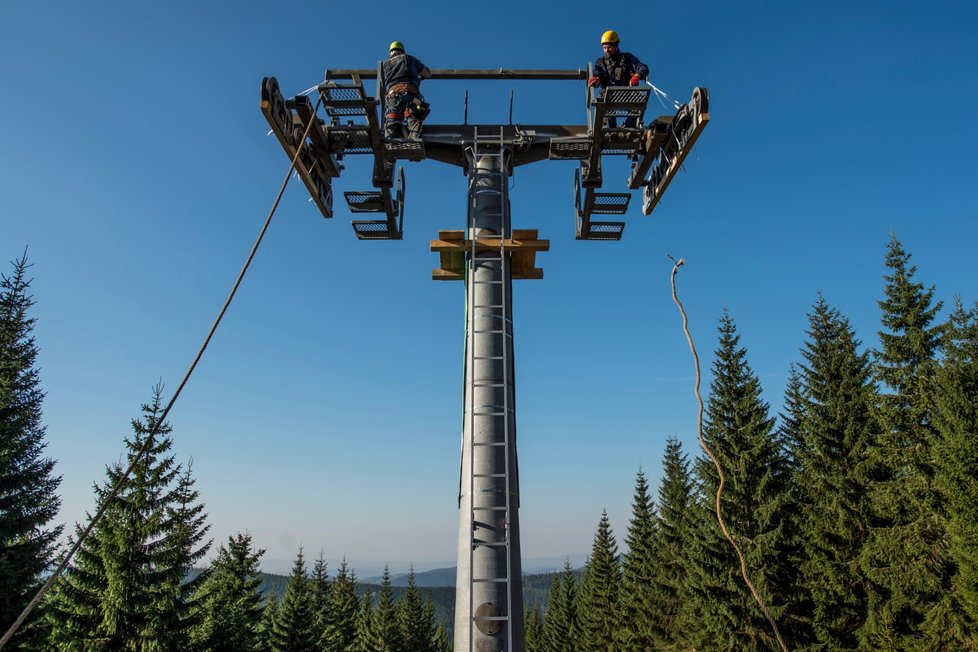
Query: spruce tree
[(28, 499), (384, 630), (755, 504), (636, 607), (532, 629), (293, 630), (597, 602), (429, 626), (409, 614), (415, 618), (560, 624), (266, 627), (838, 427), (361, 642), (441, 642), (127, 588), (553, 630), (671, 538), (956, 420), (792, 416), (319, 585), (232, 601), (796, 622), (905, 555), (179, 610), (342, 607)]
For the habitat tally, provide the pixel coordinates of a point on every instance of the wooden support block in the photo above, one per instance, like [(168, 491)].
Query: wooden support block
[(446, 275), (523, 247)]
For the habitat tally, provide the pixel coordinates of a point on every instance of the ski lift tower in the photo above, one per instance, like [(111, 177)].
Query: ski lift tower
[(487, 255)]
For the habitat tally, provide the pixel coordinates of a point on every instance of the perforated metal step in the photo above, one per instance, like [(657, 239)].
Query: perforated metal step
[(604, 231), (364, 201), (352, 139), (374, 230), (572, 149), (610, 203), (341, 101), (625, 101), (406, 148)]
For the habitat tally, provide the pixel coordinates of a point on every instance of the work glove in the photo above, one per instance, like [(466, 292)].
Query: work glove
[(633, 81), (593, 81)]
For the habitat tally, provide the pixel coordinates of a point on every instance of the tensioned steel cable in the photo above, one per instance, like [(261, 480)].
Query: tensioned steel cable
[(716, 462), (120, 483)]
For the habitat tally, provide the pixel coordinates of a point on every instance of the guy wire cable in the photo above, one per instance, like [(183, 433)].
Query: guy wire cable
[(120, 483), (716, 462)]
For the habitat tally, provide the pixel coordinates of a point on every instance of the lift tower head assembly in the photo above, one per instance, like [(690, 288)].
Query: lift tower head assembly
[(487, 255)]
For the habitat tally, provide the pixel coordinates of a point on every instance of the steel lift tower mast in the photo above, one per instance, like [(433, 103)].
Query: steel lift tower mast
[(487, 256)]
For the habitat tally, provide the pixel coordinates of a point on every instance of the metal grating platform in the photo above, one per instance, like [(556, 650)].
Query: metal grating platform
[(605, 231), (352, 140), (625, 101), (406, 148), (621, 141), (570, 149), (374, 230), (610, 203), (344, 101), (366, 201)]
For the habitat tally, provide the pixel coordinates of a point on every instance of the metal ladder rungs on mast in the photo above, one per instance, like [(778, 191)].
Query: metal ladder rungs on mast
[(490, 248), (488, 544)]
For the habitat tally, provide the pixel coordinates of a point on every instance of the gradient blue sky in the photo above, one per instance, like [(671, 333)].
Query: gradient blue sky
[(134, 164)]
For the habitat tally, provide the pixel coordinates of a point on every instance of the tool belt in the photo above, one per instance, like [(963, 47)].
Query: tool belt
[(402, 87)]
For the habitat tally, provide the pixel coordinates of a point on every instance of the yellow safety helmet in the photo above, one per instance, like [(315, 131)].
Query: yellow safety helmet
[(396, 45), (611, 36)]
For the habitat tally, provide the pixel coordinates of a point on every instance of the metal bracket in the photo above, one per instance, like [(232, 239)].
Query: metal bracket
[(685, 128)]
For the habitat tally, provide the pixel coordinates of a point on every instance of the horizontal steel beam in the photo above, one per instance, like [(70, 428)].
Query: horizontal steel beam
[(447, 73)]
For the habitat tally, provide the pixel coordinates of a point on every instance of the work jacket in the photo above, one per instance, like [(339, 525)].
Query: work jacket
[(618, 70), (404, 69)]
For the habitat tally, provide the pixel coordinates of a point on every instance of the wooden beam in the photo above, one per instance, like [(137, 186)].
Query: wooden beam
[(522, 239), (452, 247)]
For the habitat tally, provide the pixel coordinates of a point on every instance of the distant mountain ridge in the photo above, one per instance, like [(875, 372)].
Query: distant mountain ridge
[(439, 584), (446, 576)]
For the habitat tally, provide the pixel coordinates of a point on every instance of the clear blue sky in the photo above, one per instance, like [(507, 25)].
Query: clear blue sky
[(134, 163)]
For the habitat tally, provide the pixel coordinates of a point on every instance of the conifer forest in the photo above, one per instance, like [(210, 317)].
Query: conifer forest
[(855, 506)]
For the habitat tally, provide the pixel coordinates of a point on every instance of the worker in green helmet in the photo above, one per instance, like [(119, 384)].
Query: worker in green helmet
[(617, 68), (404, 106)]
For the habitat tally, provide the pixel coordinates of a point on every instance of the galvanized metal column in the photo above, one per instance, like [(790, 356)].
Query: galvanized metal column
[(489, 590)]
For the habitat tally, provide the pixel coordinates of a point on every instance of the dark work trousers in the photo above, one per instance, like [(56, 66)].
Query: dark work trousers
[(397, 114)]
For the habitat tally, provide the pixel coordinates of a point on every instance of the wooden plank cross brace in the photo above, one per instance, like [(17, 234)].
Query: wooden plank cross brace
[(452, 248)]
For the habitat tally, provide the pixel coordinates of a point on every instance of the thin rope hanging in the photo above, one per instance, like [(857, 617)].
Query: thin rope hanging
[(660, 94), (716, 462), (120, 483)]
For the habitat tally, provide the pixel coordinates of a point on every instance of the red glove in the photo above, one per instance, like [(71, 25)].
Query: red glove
[(633, 81), (593, 81)]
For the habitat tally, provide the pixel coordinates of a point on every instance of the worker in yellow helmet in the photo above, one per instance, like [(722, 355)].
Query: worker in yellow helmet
[(617, 68), (403, 102)]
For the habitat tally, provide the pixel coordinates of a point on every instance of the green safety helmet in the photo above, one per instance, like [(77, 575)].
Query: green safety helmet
[(396, 45)]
